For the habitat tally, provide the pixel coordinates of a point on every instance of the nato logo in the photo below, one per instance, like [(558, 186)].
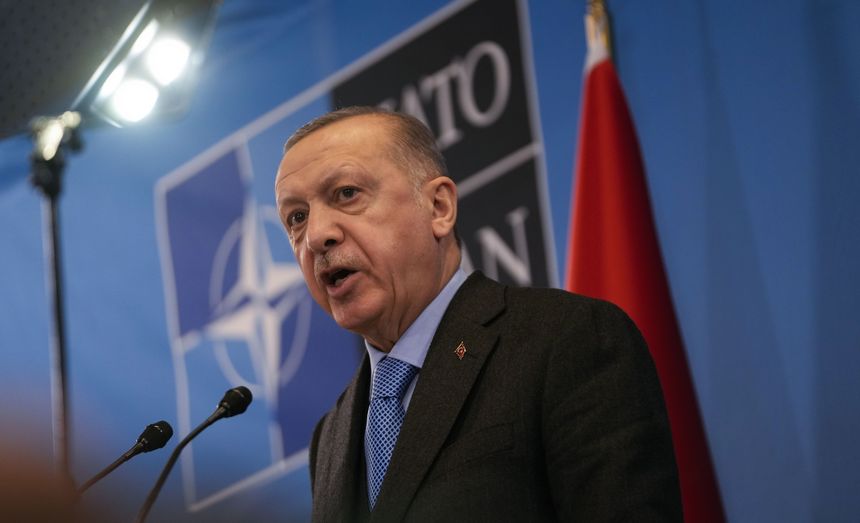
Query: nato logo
[(238, 313)]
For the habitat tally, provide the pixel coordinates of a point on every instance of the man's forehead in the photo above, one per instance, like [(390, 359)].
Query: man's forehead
[(359, 135), (298, 159)]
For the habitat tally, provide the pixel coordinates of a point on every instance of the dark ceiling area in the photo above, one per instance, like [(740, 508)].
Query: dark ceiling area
[(48, 51)]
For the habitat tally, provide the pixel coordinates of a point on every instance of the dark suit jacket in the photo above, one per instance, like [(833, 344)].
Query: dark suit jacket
[(554, 413)]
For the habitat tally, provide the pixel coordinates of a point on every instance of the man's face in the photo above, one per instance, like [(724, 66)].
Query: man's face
[(363, 238)]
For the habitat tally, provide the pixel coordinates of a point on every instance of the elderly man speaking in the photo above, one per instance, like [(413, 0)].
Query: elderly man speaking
[(476, 401)]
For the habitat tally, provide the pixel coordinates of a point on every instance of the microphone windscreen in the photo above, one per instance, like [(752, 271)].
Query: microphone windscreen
[(236, 401), (155, 436)]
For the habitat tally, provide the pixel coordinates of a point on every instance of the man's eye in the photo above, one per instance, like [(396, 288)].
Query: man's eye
[(347, 193), (296, 218)]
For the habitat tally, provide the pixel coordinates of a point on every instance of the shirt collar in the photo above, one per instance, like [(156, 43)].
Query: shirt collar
[(413, 345)]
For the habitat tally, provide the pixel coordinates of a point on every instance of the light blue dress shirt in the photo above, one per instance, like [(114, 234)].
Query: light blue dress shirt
[(413, 345)]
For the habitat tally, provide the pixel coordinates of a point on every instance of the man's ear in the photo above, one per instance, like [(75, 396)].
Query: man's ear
[(443, 193)]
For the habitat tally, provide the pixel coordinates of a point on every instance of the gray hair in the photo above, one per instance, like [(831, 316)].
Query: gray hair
[(413, 146)]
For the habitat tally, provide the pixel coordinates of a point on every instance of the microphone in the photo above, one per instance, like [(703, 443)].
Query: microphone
[(234, 402), (153, 437)]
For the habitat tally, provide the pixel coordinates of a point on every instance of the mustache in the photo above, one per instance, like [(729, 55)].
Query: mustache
[(336, 259)]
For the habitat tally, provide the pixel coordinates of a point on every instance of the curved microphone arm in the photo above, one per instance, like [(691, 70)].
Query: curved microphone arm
[(153, 437), (235, 401)]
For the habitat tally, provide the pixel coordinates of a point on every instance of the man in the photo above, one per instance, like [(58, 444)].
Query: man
[(510, 404)]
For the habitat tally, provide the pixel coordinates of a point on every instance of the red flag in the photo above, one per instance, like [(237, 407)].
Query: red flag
[(614, 255)]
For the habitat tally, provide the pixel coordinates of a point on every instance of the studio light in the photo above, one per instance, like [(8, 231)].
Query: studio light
[(133, 100), (151, 70), (144, 39), (167, 59)]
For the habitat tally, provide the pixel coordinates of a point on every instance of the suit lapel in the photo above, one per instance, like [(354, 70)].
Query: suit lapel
[(443, 386), (338, 497)]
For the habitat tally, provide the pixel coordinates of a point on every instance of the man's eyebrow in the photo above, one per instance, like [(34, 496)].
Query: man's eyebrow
[(324, 184), (285, 199), (288, 200), (332, 178)]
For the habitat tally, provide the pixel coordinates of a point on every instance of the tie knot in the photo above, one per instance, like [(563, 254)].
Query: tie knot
[(392, 378)]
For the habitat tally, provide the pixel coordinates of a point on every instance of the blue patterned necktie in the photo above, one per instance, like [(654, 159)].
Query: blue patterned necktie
[(384, 419)]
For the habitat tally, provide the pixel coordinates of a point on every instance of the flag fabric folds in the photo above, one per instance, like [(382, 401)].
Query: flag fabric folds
[(614, 254)]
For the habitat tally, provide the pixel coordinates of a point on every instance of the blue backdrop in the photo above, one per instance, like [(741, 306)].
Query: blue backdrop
[(748, 115)]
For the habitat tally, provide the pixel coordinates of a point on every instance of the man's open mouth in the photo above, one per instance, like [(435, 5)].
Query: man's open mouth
[(336, 277)]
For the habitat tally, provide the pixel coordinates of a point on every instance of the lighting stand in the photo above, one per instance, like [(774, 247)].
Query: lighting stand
[(52, 137)]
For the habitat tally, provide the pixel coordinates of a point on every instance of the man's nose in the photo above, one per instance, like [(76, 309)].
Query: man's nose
[(323, 230)]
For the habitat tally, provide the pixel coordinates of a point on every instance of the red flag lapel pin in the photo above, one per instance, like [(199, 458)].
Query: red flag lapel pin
[(460, 351)]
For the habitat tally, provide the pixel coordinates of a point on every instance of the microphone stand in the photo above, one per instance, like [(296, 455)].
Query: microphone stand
[(50, 137), (150, 499), (153, 437), (234, 402), (130, 453)]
